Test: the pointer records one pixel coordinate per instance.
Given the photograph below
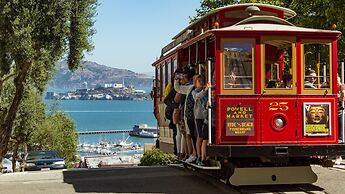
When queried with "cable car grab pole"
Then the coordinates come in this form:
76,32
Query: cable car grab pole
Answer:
342,104
209,101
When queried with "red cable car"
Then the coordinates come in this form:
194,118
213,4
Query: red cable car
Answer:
275,94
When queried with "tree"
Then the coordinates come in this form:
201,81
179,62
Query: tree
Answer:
321,14
30,116
56,132
34,35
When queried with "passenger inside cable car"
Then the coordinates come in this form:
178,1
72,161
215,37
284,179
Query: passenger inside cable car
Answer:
272,84
279,62
310,79
317,64
286,82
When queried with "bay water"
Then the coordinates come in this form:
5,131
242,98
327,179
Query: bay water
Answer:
94,115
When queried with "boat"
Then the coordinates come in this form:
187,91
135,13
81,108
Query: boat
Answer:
147,134
124,144
143,130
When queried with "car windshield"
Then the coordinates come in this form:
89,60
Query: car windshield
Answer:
42,155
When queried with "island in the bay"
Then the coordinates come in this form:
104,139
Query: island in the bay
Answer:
108,92
98,82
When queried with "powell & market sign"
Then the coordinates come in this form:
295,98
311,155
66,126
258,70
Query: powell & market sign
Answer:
240,120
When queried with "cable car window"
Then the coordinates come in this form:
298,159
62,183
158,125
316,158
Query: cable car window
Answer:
238,72
316,66
169,72
175,64
158,81
163,77
278,65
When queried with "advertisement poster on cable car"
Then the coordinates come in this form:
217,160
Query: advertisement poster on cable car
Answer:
240,120
317,119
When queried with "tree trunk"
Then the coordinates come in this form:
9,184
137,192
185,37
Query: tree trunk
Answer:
6,124
15,156
24,157
25,150
1,167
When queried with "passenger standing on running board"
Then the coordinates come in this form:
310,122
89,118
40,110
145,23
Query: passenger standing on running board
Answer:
188,113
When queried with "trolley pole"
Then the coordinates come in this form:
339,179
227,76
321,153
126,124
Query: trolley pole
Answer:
342,104
209,68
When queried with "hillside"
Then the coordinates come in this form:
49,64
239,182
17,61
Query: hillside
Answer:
95,74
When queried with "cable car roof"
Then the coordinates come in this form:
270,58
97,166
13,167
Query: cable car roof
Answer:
288,13
274,27
259,19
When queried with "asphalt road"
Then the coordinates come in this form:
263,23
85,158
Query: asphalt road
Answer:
151,180
127,180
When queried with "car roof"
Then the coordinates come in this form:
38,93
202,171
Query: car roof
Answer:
42,152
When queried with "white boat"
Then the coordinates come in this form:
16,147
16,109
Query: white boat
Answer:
125,144
143,130
85,145
136,147
147,134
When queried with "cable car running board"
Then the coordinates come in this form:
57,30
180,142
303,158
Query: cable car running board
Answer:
273,176
215,166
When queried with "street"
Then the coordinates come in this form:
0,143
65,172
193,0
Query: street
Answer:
152,180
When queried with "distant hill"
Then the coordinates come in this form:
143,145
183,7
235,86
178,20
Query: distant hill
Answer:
96,74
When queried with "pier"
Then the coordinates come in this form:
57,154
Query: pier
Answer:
92,132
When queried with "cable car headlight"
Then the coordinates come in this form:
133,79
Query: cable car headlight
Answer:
279,123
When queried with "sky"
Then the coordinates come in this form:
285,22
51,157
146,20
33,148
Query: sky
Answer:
131,33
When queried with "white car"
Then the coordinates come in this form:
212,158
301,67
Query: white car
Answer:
7,165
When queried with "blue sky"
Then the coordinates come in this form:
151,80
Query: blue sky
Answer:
131,33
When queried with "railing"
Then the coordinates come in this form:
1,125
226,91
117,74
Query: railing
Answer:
91,132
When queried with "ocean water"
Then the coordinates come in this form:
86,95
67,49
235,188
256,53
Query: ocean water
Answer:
108,115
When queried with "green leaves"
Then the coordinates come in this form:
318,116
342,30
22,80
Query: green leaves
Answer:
43,31
34,36
56,132
157,157
321,14
80,31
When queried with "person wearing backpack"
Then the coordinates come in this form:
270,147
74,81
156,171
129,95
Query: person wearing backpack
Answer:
188,112
171,105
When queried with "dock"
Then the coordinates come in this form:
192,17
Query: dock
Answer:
92,132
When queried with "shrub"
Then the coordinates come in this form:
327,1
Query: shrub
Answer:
157,157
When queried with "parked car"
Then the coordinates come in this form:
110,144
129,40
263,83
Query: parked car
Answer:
6,165
41,160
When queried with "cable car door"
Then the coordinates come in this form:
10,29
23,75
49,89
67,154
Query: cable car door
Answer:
278,102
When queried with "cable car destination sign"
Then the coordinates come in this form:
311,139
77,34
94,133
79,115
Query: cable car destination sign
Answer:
240,120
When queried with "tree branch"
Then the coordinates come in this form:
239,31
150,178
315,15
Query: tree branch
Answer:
2,81
8,77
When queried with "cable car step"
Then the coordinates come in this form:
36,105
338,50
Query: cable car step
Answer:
215,165
273,175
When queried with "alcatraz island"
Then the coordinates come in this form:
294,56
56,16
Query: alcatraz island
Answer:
105,92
